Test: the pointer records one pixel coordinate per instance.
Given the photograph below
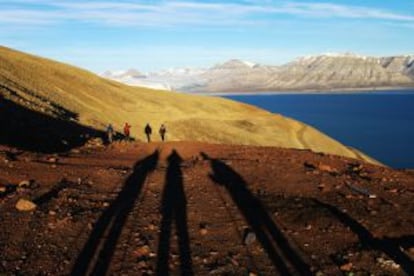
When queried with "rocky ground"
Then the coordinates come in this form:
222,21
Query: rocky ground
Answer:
192,208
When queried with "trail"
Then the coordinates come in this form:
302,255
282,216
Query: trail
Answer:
300,136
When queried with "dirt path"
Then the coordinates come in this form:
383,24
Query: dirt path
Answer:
197,209
300,137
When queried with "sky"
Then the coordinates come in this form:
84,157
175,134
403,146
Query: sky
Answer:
150,35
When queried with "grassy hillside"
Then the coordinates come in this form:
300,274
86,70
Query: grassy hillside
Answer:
72,94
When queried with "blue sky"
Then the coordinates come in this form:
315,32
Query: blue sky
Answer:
153,34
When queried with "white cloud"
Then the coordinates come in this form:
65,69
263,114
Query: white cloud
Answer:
183,13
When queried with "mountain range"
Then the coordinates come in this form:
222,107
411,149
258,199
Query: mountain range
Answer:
327,72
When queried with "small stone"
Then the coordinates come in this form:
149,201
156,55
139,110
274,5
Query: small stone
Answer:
25,205
52,160
346,267
52,213
105,204
151,227
142,265
203,228
3,189
325,168
249,237
142,251
309,165
234,262
51,225
25,184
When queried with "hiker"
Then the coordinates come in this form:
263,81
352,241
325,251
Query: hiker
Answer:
110,133
127,127
162,132
148,131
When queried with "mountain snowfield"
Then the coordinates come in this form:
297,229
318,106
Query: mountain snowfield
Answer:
326,72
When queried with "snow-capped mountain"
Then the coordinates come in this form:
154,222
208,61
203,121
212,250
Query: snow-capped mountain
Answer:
324,72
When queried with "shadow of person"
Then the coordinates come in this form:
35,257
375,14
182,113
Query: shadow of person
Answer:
389,246
96,255
174,208
278,248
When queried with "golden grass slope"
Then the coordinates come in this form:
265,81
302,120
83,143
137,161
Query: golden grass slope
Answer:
45,85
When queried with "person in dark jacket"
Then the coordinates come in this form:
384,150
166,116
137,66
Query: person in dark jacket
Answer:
162,132
148,132
110,133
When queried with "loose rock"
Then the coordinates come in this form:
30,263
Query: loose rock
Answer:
25,205
249,237
346,267
25,184
142,251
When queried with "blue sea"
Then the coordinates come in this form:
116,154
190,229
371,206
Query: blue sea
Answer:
380,124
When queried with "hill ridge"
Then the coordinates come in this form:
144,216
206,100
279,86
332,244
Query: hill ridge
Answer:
94,102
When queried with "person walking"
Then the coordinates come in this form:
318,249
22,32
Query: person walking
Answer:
110,133
127,132
162,132
148,132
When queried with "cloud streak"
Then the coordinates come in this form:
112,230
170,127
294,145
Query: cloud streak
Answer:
183,13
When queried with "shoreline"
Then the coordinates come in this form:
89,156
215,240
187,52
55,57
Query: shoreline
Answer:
368,90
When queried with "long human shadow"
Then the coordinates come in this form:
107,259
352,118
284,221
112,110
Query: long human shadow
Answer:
174,209
390,246
285,259
95,257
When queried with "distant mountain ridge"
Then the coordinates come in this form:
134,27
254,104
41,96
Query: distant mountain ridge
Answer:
318,73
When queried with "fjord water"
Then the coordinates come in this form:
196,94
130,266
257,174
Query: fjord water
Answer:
380,124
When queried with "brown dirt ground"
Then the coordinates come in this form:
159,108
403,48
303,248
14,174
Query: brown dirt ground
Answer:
193,208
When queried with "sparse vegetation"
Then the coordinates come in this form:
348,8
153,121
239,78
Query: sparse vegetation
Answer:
70,93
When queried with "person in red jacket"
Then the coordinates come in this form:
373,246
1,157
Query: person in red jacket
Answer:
127,133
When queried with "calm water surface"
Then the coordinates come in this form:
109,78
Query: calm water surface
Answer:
380,124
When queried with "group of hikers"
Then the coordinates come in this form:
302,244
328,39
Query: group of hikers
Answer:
127,133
